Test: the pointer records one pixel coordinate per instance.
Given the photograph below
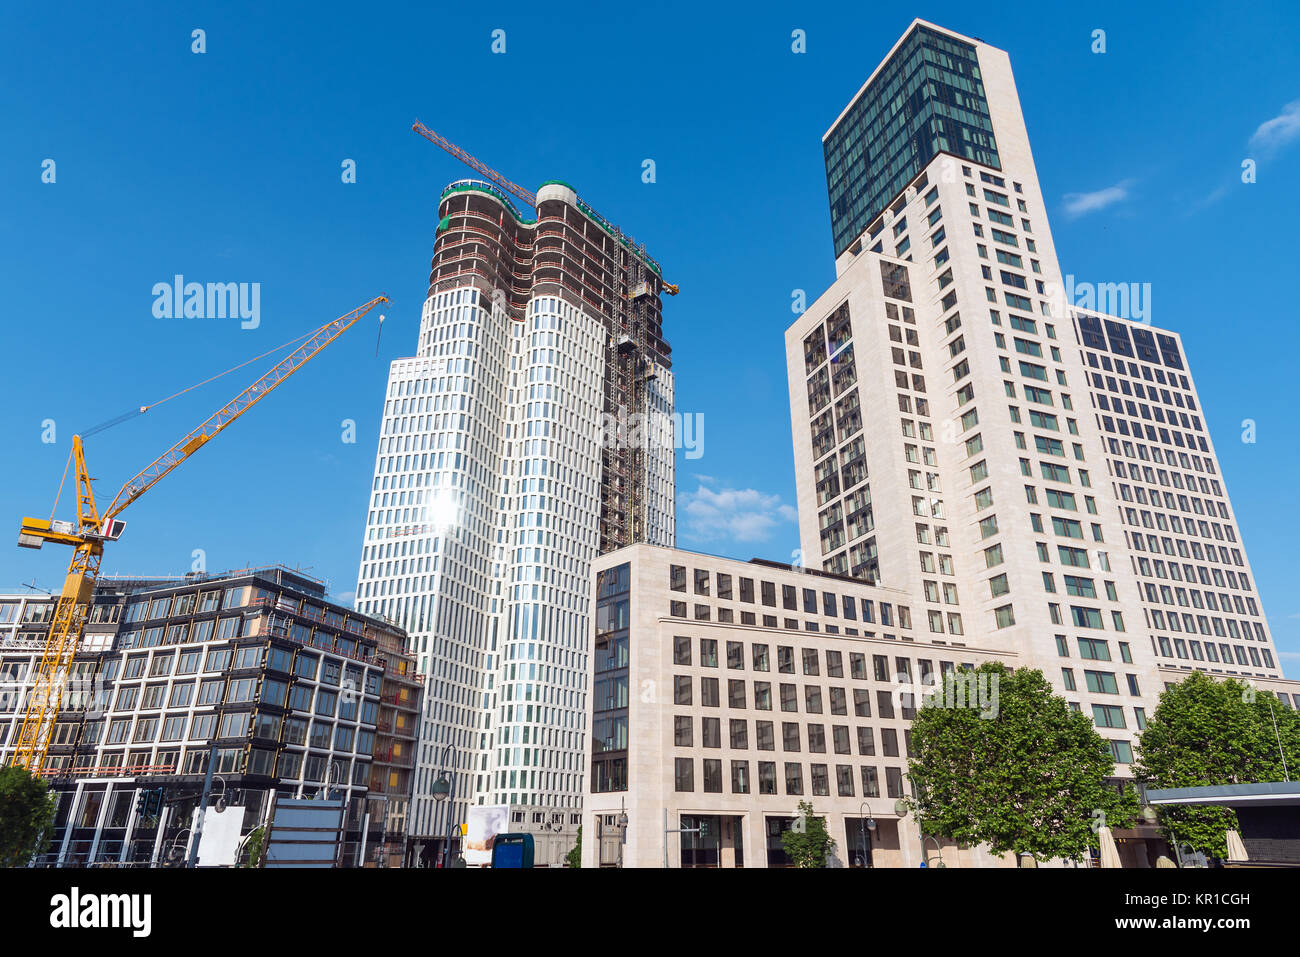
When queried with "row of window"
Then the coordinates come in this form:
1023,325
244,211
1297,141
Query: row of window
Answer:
792,737
711,778
836,699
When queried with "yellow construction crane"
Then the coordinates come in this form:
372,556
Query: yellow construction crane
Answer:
86,537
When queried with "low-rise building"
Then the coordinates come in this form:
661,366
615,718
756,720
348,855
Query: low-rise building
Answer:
725,692
255,670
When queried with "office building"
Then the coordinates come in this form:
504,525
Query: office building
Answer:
254,669
950,438
983,471
724,692
510,457
1198,596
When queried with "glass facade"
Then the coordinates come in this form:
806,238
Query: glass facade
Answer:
610,685
928,99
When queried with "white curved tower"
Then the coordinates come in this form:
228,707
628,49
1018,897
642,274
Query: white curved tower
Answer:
499,478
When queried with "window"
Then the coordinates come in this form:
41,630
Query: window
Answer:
681,650
709,692
181,694
1094,649
870,782
793,778
210,691
739,777
241,689
817,738
1108,716
1101,682
684,775
894,782
735,693
708,653
1086,617
234,725
862,702
681,689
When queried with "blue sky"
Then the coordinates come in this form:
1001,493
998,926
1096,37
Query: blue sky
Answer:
225,167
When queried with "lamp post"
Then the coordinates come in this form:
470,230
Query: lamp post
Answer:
938,847
622,833
868,825
444,790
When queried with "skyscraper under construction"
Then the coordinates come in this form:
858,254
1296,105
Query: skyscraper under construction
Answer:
503,469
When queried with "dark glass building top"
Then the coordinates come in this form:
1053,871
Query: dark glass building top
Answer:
927,99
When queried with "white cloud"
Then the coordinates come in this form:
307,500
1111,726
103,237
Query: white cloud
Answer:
745,515
1080,204
1280,130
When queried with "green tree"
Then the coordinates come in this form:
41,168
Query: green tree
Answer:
255,843
574,857
26,816
808,843
1208,732
1001,760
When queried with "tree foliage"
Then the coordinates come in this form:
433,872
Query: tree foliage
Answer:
1022,773
254,845
26,816
1207,732
574,857
808,843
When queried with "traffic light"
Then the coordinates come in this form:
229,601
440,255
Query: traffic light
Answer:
704,828
149,803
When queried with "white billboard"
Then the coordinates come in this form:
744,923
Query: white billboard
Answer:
485,822
219,841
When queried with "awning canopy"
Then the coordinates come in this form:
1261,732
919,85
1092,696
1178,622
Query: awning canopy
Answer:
1267,794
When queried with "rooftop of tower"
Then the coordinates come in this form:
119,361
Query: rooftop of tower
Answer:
916,24
482,186
926,97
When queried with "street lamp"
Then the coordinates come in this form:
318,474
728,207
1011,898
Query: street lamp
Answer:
868,825
938,847
444,790
622,832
